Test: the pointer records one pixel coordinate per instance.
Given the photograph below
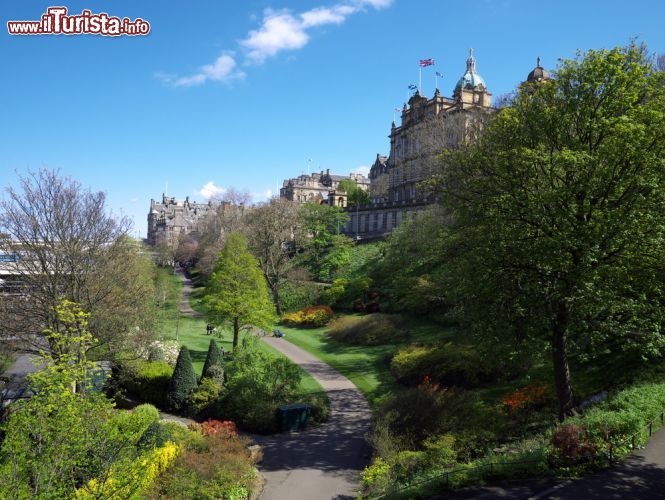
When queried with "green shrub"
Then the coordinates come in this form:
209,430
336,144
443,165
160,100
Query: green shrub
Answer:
296,295
373,329
257,384
206,397
413,415
182,384
375,478
343,292
214,359
320,407
144,380
310,317
448,364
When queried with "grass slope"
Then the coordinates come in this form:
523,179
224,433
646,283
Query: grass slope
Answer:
365,366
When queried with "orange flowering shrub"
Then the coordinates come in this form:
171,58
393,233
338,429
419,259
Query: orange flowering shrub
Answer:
216,428
526,397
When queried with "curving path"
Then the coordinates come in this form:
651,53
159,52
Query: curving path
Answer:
322,462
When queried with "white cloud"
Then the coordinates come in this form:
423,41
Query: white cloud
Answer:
279,30
283,30
223,69
362,169
210,190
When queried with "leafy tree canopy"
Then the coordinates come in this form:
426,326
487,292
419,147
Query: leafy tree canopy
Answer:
237,290
558,214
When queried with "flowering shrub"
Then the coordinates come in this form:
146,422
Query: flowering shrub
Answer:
140,476
216,428
573,441
163,350
312,317
529,396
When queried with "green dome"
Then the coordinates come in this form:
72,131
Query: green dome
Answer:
471,79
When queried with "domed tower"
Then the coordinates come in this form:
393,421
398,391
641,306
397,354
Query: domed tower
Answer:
471,88
538,74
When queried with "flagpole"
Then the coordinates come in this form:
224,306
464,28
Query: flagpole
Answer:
436,80
420,78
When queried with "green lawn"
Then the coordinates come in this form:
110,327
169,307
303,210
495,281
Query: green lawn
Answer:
191,332
365,366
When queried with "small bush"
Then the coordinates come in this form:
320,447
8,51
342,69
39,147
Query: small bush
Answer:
214,360
374,329
205,398
166,350
310,317
346,292
182,384
572,442
216,427
448,364
144,380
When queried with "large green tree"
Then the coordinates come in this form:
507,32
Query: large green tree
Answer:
325,249
237,290
558,214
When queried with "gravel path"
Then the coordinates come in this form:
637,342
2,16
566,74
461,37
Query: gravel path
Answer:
322,462
185,307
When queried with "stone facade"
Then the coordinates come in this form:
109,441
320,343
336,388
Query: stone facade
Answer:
428,126
171,218
320,188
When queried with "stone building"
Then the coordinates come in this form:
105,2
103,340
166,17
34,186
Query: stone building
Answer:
320,188
171,218
428,126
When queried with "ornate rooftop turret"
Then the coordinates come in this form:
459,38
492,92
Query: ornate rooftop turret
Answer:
538,74
471,79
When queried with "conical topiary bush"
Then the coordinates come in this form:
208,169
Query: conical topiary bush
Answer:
183,382
213,359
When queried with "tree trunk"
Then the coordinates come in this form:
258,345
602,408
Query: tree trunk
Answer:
236,333
275,299
562,381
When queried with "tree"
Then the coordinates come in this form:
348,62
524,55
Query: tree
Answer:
227,217
69,246
272,229
321,236
214,359
558,214
237,290
64,436
183,382
355,195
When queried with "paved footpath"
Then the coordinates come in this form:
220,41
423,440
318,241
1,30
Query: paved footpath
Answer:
322,462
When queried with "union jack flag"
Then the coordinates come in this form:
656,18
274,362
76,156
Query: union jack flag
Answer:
413,87
426,62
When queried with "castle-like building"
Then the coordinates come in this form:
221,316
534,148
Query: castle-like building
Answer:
171,218
320,188
427,127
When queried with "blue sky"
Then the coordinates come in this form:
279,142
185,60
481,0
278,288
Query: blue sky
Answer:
243,93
